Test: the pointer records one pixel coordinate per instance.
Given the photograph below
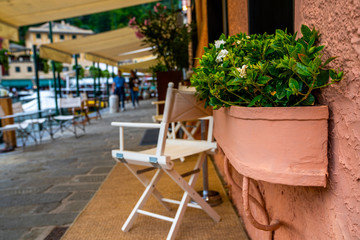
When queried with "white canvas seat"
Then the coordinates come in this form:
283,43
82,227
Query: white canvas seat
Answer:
179,106
75,119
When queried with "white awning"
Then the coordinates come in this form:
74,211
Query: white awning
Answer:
17,13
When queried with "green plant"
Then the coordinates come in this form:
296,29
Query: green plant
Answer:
263,70
163,30
80,69
4,58
95,72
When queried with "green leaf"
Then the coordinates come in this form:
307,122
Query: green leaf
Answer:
293,84
329,60
302,70
304,59
263,79
306,32
332,73
310,100
322,78
255,100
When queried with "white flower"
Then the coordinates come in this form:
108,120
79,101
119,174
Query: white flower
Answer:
248,37
218,43
221,55
242,71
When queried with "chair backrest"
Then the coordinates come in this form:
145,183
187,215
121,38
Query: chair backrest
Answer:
17,107
2,113
183,106
70,102
179,106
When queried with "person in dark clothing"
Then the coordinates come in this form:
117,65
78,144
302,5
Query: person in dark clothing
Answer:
134,85
118,88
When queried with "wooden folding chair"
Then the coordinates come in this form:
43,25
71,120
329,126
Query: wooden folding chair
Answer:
179,106
75,119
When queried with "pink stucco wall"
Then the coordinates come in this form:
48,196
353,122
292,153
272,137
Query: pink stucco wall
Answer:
332,212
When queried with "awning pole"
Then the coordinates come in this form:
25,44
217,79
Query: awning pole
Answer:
59,81
94,81
53,70
99,80
36,67
107,83
77,75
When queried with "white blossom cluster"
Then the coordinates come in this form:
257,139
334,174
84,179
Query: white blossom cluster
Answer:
218,43
242,71
221,55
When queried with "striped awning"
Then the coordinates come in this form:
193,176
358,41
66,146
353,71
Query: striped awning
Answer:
108,47
17,13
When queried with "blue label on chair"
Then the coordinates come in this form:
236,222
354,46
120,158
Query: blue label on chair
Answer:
120,156
153,160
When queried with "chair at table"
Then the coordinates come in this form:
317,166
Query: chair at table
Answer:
179,106
33,119
20,127
72,116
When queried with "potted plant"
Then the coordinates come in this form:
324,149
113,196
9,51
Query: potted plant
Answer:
263,89
163,30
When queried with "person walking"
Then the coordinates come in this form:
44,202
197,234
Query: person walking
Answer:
118,88
134,84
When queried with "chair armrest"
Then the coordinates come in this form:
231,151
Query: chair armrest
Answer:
138,125
158,102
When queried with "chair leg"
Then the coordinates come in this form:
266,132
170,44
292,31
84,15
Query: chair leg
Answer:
144,197
184,201
158,196
190,191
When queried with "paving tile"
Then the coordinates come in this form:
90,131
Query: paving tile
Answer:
82,195
75,187
31,199
38,220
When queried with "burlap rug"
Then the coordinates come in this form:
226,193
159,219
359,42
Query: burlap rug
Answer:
105,214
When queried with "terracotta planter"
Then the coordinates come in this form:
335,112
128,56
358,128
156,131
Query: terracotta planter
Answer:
277,145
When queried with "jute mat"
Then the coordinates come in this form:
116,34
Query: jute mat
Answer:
105,214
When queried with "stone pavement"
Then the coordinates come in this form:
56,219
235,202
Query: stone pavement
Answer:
48,184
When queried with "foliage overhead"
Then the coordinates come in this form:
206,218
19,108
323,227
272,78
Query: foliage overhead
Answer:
163,30
263,70
4,60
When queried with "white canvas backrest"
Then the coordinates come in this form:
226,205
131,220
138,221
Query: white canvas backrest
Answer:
183,106
179,106
17,107
70,102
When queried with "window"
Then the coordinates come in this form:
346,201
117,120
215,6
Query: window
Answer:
62,36
38,36
29,69
17,69
73,36
266,16
65,69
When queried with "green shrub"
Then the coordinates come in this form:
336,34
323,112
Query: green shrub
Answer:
263,70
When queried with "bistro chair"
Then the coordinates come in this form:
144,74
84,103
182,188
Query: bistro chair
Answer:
21,128
72,115
179,106
33,119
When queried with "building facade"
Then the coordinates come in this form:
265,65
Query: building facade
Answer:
21,71
307,212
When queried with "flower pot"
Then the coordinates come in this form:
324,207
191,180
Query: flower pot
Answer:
285,145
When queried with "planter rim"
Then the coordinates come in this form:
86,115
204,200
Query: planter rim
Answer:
302,113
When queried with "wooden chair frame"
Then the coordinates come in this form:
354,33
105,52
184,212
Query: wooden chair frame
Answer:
179,106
